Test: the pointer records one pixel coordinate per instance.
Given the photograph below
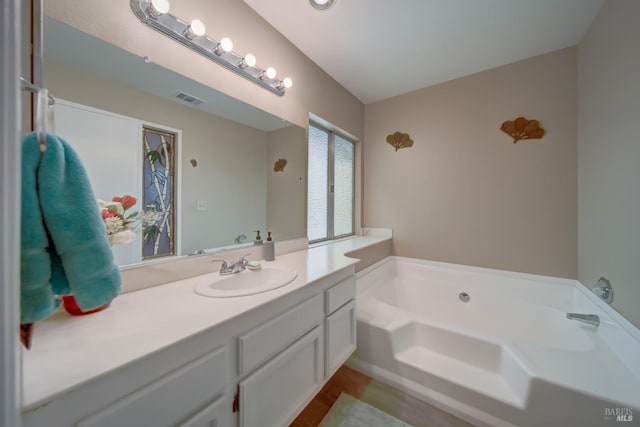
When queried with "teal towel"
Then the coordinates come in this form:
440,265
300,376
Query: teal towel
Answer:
78,260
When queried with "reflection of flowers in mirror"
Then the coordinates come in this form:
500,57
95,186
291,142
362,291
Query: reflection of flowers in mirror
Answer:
119,224
150,215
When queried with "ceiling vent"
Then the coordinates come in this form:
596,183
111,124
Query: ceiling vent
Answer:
194,100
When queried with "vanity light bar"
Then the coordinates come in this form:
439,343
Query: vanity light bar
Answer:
155,14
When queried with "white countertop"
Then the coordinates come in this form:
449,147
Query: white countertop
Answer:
68,351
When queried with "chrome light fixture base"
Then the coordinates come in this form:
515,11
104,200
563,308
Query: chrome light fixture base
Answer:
175,28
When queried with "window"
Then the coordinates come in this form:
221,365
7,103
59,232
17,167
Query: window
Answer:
330,192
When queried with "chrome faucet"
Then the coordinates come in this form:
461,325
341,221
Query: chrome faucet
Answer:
591,319
234,268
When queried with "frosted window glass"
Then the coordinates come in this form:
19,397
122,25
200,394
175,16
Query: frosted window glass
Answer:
343,187
318,175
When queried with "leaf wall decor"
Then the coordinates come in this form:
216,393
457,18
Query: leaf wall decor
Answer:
522,128
400,140
279,165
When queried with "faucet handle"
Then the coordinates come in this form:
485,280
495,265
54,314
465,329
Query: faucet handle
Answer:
243,259
224,266
604,290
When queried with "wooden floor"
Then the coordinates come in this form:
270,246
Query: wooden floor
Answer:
387,399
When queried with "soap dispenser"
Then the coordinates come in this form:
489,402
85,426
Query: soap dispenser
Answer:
258,240
269,249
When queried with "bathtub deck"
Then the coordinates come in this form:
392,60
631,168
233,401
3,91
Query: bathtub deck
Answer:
430,366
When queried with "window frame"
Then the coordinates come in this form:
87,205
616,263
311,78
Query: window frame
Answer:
330,189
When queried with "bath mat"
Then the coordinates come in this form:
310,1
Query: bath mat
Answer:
350,412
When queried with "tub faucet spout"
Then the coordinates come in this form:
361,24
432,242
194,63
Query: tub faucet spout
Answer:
591,319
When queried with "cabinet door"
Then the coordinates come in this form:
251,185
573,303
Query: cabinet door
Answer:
275,394
212,415
170,399
341,336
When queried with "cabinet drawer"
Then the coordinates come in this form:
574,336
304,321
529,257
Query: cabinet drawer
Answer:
171,399
262,343
213,415
339,294
341,337
278,391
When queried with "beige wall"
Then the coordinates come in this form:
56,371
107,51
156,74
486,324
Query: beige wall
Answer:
465,193
287,190
609,154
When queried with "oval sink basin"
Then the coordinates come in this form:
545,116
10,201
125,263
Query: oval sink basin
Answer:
247,282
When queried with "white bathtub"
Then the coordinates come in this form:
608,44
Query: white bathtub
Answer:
508,356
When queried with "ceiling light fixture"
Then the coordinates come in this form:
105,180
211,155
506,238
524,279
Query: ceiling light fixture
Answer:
322,4
155,14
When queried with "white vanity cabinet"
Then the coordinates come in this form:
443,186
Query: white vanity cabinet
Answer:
196,388
259,369
276,393
284,359
340,324
314,339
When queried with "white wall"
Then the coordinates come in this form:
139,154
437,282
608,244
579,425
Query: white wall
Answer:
465,193
113,171
609,154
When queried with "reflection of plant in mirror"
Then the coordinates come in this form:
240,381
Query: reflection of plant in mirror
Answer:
158,175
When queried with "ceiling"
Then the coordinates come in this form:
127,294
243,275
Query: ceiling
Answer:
377,49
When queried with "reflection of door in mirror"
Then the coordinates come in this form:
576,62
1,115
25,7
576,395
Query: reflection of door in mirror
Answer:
157,218
116,170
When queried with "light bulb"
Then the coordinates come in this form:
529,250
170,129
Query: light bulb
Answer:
287,82
225,45
158,8
195,29
270,73
249,60
321,4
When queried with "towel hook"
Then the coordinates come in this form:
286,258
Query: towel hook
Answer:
42,105
44,112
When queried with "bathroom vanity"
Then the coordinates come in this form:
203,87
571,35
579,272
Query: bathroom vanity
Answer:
165,356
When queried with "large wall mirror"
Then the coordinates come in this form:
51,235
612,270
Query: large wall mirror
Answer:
236,168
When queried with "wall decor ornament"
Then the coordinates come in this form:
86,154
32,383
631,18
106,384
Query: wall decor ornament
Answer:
522,128
279,165
400,140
